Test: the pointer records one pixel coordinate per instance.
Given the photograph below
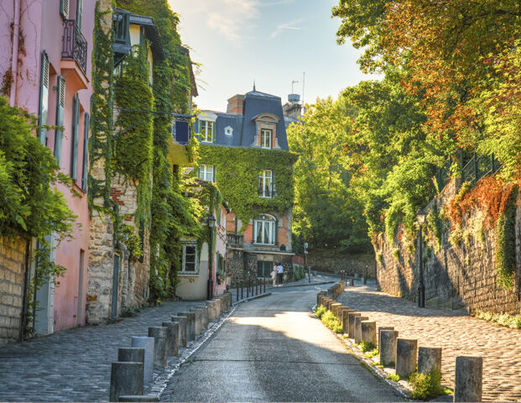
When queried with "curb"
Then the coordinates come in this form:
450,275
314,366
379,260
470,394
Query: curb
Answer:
306,285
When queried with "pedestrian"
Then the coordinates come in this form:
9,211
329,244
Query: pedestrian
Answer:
274,275
280,273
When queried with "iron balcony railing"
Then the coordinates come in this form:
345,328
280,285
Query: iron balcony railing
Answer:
235,239
74,44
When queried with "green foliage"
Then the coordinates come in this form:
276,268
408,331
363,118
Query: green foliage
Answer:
320,311
504,319
505,262
393,377
237,176
372,353
129,236
331,321
366,346
426,386
299,272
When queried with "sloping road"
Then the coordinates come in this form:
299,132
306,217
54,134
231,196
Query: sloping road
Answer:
272,349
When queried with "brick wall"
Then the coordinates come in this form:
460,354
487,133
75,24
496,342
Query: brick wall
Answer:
462,276
12,273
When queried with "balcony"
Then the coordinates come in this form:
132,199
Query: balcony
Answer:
235,240
74,45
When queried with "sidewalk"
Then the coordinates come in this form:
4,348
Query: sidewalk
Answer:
454,331
75,364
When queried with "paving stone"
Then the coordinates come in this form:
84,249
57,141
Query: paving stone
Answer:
455,332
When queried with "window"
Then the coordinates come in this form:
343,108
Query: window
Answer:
264,268
264,230
44,99
65,8
265,139
228,131
206,128
190,259
79,12
266,184
206,173
85,163
60,111
75,134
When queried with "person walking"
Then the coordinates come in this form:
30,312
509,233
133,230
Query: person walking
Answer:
280,273
274,275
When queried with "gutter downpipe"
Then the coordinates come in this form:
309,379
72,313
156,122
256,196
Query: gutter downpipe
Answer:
14,55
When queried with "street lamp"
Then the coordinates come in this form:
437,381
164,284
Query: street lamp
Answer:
306,261
421,216
211,225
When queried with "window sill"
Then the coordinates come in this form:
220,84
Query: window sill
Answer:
187,274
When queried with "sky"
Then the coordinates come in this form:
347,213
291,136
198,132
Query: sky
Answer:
269,42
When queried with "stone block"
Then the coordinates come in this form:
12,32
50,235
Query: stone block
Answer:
469,379
171,338
198,321
344,318
147,343
429,359
335,307
368,331
406,356
182,321
387,347
358,327
190,325
159,333
351,316
126,378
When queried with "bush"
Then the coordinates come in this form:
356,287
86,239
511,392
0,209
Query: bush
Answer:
321,310
393,377
426,386
368,346
330,320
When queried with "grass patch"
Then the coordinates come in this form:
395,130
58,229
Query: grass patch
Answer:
372,353
503,319
331,321
426,386
393,377
367,346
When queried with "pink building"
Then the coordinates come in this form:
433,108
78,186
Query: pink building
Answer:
45,68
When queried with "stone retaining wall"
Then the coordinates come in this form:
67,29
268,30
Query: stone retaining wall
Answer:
462,276
12,273
328,261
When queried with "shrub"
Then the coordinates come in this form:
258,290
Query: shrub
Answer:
368,346
426,386
393,377
330,320
321,310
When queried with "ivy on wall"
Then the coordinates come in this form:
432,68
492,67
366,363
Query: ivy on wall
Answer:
237,176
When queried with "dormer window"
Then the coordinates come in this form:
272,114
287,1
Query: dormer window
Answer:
265,138
206,129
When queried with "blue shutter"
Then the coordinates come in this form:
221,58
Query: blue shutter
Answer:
213,174
182,131
60,111
44,98
79,12
74,140
85,165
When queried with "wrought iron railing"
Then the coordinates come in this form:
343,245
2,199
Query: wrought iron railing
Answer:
235,239
74,44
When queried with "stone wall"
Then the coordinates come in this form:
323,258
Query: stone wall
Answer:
329,261
12,274
454,276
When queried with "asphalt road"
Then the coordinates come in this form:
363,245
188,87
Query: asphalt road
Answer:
272,349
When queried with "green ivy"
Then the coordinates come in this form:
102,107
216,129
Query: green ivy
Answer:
237,175
506,243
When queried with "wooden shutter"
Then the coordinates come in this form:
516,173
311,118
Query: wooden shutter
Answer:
44,98
79,13
213,174
276,231
60,111
65,8
85,165
74,140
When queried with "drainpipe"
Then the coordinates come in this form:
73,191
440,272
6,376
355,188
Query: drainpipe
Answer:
14,54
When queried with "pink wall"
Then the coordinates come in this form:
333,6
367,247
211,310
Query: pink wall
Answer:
220,246
42,28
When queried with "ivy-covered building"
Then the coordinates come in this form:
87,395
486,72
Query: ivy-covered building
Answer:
245,152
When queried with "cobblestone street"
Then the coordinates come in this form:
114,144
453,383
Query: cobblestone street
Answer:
74,365
457,333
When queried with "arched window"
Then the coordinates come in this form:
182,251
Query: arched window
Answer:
264,230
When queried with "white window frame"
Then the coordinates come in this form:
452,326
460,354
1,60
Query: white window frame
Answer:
265,221
196,264
266,141
206,135
266,184
228,131
206,173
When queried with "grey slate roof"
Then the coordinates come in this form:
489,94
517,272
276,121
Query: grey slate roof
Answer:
243,126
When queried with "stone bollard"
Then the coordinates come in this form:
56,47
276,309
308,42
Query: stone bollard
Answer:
387,349
351,316
378,333
172,340
131,354
159,334
190,325
209,306
218,308
369,332
198,321
126,378
469,377
429,358
406,356
182,321
138,398
147,343
204,316
335,307
345,318
320,295
358,327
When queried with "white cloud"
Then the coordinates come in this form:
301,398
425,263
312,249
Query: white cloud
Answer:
287,26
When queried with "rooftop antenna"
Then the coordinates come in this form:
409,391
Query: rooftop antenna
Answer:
303,86
293,86
254,90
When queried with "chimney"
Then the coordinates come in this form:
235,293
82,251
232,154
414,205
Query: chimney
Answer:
236,104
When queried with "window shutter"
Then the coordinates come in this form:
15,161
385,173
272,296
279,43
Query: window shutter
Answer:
276,231
85,165
213,173
60,110
44,98
79,11
272,184
64,8
74,142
